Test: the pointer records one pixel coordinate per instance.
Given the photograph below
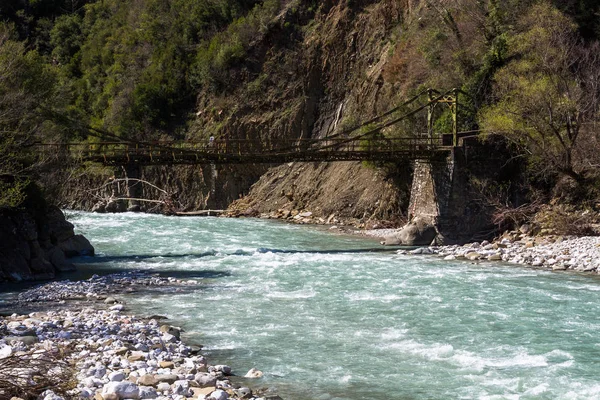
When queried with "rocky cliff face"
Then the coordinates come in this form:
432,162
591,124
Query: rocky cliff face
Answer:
310,75
329,78
36,244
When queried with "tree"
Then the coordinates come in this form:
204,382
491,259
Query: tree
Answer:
546,92
26,85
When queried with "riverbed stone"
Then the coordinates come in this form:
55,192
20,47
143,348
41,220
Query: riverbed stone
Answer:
243,392
136,356
168,378
218,395
170,330
253,374
6,351
419,232
147,380
163,387
26,340
147,392
102,341
123,390
116,376
205,379
166,364
181,387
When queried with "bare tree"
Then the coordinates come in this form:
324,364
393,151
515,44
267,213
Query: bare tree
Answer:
547,92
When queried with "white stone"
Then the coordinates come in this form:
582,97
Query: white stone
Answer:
124,390
181,387
147,392
88,382
6,351
167,337
99,371
537,262
50,395
253,373
218,395
163,387
116,376
421,250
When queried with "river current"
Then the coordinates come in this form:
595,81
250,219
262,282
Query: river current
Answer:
326,316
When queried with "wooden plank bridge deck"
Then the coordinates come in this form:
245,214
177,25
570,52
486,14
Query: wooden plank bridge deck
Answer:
250,152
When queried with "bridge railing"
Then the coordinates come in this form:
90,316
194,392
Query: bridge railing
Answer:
210,149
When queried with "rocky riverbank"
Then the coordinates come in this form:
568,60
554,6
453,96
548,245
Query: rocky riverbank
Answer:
557,253
95,350
36,243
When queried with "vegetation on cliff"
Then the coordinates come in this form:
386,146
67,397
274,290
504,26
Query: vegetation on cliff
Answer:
181,69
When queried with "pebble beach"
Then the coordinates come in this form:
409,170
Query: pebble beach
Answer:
91,348
557,253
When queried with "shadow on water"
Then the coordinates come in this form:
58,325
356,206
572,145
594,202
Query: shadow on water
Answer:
106,264
344,251
95,266
99,259
85,270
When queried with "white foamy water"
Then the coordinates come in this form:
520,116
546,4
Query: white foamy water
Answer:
324,317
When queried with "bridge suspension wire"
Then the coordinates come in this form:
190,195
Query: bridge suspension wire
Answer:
101,133
346,132
389,123
337,147
379,117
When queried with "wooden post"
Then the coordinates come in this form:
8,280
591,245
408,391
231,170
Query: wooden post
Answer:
430,109
455,118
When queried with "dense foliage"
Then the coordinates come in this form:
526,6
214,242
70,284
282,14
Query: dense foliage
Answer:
143,69
531,72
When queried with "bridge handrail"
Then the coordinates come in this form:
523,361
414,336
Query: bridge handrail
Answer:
202,150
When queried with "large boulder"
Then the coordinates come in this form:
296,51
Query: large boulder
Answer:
59,228
77,246
418,232
57,258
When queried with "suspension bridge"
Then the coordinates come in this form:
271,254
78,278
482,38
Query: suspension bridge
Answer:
369,144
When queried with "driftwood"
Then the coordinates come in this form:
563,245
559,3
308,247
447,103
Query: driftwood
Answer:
166,201
27,374
199,213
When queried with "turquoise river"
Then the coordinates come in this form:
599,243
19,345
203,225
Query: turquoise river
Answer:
327,316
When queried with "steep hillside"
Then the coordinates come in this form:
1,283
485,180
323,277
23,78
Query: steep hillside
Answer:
264,70
331,77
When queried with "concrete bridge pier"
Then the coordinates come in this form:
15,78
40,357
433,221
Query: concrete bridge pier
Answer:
442,208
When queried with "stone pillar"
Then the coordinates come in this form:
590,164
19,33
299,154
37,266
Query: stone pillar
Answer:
431,189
